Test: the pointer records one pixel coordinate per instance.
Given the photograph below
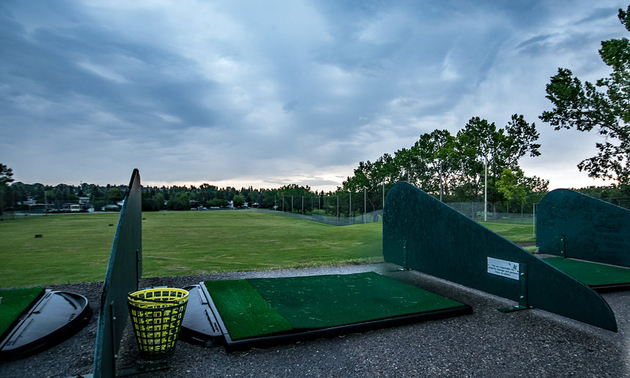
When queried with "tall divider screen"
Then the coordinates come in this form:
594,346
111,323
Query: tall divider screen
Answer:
571,224
424,234
123,272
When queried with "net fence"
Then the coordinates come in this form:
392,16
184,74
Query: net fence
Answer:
472,210
475,211
371,217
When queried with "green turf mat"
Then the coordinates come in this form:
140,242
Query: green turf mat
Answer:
328,301
244,312
591,273
14,303
317,302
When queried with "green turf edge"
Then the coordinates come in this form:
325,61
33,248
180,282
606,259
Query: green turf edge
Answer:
591,273
314,302
243,311
14,303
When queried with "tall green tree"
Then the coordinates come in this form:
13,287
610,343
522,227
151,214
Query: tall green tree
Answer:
602,107
482,144
6,175
238,200
6,178
513,187
183,202
437,153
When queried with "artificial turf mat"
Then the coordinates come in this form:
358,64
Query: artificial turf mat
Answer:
14,303
591,273
244,312
316,302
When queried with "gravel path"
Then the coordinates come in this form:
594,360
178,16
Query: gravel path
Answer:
531,343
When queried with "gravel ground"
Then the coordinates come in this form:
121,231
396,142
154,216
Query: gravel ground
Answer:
531,343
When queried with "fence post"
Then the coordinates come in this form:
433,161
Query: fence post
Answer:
349,203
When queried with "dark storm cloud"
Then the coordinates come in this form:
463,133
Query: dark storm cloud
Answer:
266,93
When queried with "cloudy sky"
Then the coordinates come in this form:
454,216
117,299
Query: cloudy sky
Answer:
267,93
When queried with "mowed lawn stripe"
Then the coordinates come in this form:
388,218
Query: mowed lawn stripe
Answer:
76,247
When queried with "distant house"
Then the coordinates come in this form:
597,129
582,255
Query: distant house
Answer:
71,207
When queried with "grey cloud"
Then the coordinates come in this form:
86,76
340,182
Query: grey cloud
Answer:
278,90
598,14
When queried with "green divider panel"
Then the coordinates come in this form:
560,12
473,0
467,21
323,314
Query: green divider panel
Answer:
422,233
123,272
570,224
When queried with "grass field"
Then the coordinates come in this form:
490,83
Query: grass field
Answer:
76,247
517,233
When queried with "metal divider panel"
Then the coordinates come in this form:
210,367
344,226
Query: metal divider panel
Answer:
424,234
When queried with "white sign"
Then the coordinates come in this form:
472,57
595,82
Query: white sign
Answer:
503,268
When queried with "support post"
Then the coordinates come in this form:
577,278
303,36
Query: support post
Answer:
485,195
405,256
522,299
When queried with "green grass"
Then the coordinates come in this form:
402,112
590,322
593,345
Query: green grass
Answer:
76,247
73,248
14,303
516,233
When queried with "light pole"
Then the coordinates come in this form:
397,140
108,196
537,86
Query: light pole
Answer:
383,194
364,204
485,189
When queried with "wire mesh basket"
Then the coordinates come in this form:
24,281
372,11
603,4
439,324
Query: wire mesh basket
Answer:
157,315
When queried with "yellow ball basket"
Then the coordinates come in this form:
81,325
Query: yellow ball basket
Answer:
157,315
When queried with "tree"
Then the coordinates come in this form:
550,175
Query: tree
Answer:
602,107
512,186
115,194
183,202
480,143
6,178
238,200
6,175
436,150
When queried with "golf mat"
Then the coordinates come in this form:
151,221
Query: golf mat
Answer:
36,319
600,277
268,311
15,302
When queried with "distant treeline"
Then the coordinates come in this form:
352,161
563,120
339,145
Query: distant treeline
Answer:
300,199
290,198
